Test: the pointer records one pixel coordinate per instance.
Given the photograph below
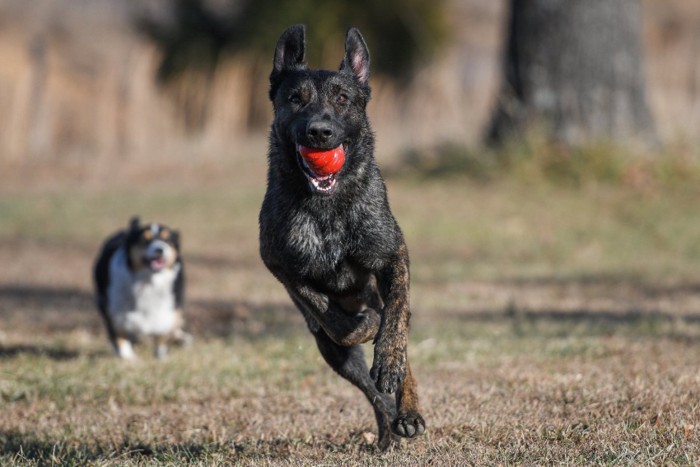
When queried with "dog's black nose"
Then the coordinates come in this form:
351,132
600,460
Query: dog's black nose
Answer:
319,132
158,252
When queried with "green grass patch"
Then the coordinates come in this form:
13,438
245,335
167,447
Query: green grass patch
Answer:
534,160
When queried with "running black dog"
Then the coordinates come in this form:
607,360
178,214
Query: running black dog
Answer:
327,233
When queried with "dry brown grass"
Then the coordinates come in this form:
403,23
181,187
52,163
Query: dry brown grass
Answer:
551,325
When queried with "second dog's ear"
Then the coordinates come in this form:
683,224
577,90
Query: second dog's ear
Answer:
175,238
134,224
356,60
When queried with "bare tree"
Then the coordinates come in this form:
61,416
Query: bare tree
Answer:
576,68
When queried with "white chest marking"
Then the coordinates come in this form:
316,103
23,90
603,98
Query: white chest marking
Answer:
142,302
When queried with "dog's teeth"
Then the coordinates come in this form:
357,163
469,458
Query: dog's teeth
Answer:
324,184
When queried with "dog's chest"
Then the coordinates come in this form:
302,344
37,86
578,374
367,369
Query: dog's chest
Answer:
141,302
329,253
317,244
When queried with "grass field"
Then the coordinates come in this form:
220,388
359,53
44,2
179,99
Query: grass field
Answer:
551,324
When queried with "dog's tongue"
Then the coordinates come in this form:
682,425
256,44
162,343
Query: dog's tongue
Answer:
157,264
323,162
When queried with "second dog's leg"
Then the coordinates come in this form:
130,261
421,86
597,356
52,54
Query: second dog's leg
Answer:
179,336
124,348
349,362
161,347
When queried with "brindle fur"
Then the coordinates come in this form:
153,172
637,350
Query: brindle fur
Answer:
342,257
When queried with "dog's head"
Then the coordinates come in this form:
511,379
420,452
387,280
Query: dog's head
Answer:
320,119
152,247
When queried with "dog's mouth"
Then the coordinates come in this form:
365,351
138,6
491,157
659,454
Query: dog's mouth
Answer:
321,167
159,255
157,264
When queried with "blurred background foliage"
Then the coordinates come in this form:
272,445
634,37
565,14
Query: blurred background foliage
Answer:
400,33
154,80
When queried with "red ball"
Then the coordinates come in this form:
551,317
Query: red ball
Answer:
323,161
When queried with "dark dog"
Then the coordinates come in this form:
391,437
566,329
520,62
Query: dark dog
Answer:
327,233
139,283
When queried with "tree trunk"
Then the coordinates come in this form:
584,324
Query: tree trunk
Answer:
574,68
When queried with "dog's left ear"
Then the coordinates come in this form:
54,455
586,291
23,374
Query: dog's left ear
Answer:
356,60
134,224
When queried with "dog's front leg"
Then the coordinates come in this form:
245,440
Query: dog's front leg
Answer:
343,329
389,367
390,370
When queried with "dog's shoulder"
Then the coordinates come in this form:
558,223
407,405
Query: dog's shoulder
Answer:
120,276
101,269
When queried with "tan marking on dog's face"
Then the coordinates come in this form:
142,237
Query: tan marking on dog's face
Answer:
139,251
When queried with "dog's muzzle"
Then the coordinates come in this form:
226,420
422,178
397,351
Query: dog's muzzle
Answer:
159,255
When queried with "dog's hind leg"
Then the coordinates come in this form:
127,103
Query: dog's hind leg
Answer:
179,336
342,328
349,362
161,347
111,333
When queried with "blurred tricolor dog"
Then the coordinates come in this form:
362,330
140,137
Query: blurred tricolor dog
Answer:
139,283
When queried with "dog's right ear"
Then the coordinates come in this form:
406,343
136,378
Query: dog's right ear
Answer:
289,54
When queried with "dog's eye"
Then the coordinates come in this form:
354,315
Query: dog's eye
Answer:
342,98
295,98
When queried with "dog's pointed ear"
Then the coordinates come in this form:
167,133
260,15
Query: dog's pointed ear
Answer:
134,224
175,238
356,60
291,50
289,54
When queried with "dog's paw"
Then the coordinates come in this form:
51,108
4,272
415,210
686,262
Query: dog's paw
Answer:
409,425
388,369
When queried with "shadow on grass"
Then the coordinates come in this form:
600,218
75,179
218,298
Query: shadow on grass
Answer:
612,317
580,322
31,308
48,309
17,447
57,354
630,282
28,447
29,296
